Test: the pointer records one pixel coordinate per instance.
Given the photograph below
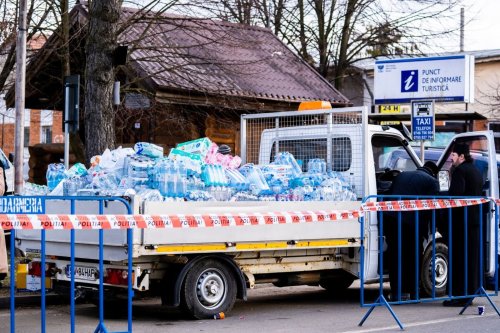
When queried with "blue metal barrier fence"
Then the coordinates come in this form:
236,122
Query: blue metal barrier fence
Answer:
439,230
102,203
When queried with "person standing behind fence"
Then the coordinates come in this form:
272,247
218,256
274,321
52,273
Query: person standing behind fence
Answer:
421,182
466,180
4,267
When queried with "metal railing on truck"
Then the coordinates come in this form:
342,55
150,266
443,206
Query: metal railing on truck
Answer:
333,135
29,213
392,211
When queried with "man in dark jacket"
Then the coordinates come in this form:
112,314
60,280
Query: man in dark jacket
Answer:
466,180
421,182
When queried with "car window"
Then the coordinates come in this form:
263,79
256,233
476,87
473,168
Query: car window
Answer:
389,153
479,152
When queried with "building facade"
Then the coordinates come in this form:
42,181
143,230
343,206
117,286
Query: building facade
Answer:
40,126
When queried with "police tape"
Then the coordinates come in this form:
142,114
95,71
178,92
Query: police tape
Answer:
91,222
421,204
67,222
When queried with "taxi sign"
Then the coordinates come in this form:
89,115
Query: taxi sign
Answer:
422,120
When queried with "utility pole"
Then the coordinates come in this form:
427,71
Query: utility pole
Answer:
462,27
20,94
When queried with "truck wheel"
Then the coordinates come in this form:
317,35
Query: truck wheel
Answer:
337,285
209,288
441,270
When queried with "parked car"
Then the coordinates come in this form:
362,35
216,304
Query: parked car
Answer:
399,160
9,172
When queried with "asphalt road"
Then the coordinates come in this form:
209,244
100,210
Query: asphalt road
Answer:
270,309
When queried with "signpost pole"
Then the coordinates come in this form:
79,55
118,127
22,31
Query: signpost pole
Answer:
422,155
20,96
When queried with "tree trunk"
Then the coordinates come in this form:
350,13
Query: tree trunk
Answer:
343,63
101,43
66,70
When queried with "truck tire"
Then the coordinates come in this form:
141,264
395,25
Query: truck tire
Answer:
209,288
441,270
338,284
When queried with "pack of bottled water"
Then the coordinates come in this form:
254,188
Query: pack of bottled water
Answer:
197,171
55,174
170,178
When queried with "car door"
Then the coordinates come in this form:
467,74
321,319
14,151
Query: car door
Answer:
482,148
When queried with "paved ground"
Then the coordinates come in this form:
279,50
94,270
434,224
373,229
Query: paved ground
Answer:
270,309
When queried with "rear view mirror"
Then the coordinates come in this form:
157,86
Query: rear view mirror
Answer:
444,180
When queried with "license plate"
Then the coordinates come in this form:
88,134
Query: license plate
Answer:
83,272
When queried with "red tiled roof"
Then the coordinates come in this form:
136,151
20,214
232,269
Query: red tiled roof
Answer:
221,58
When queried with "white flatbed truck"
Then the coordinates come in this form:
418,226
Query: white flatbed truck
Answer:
204,269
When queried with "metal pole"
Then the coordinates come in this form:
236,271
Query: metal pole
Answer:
462,25
20,95
3,129
66,126
422,151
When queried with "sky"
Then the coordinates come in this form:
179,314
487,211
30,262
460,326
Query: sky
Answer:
482,30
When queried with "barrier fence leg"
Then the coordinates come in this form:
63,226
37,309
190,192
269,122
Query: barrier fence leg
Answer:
12,281
72,273
381,299
481,292
130,292
101,328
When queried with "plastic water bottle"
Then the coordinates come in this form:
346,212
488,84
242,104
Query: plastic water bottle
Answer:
322,166
171,179
55,173
352,183
161,176
51,177
181,181
71,186
221,175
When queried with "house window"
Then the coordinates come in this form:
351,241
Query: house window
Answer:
26,136
46,134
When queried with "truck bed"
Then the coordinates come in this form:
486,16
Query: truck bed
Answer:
167,240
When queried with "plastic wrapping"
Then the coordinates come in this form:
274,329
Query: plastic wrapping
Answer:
187,175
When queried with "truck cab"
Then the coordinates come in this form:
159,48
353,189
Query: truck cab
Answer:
351,147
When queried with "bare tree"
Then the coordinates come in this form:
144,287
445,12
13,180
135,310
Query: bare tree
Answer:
43,18
488,99
332,35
